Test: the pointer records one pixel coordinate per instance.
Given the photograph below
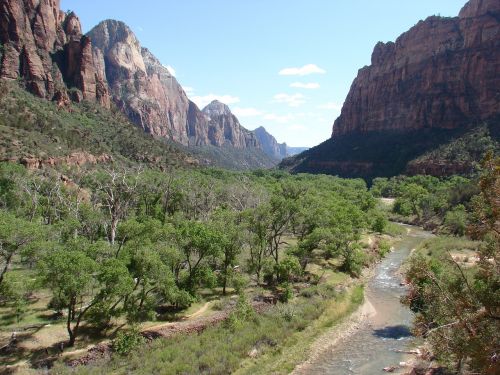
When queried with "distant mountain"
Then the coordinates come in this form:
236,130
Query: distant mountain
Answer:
225,129
435,83
269,144
292,151
271,147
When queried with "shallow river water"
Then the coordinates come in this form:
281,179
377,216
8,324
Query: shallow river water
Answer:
376,343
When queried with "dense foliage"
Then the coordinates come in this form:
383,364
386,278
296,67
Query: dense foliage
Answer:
457,299
111,243
440,204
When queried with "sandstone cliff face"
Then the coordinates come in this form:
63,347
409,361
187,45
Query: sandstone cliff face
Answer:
438,80
269,144
443,73
45,47
144,89
225,129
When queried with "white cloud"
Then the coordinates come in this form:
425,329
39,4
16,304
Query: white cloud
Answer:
246,112
202,101
302,71
337,107
308,86
170,69
294,100
282,119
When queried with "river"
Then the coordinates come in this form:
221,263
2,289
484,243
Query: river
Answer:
375,344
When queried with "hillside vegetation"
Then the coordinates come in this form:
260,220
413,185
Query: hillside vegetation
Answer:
35,128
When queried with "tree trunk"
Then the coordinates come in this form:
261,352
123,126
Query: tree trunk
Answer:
6,267
112,235
68,326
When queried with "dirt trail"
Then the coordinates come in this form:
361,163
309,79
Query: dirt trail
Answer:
188,324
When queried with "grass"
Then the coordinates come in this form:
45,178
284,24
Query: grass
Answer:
441,247
296,348
277,341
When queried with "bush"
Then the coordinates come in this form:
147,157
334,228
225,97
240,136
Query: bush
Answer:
455,221
287,294
127,341
287,269
379,223
383,248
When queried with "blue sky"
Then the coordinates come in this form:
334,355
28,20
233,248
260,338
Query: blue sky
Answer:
286,65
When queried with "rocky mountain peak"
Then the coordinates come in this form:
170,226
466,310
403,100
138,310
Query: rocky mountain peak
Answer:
476,8
434,82
216,108
270,145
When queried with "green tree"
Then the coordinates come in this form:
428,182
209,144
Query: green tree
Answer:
70,277
458,309
16,235
455,221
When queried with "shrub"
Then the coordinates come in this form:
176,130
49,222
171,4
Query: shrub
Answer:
379,223
383,248
287,294
127,341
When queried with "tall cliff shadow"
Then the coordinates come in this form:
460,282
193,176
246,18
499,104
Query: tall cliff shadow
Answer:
393,332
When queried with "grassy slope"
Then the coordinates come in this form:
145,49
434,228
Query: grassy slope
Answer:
33,127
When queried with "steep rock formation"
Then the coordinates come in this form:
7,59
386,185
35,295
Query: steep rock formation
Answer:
44,46
430,86
443,73
269,144
225,129
143,88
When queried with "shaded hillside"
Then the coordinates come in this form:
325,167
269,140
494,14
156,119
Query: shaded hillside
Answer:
389,153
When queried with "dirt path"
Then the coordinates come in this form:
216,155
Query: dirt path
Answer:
189,323
192,316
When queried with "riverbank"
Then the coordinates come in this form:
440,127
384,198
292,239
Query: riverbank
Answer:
377,335
333,336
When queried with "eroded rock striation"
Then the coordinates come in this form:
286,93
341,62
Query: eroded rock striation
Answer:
45,47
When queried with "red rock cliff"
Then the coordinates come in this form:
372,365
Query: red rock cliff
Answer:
45,47
443,73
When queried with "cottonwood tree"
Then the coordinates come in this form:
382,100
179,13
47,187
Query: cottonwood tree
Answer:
199,242
116,192
70,276
16,235
228,224
257,224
